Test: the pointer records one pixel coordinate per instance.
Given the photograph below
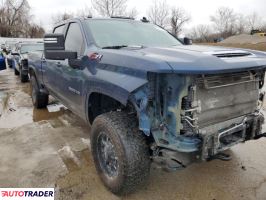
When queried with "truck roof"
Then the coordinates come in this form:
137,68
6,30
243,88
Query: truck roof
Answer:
118,18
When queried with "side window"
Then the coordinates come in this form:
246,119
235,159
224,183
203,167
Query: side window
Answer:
59,29
74,39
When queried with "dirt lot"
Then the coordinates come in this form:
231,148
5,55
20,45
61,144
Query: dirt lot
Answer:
42,149
242,41
260,46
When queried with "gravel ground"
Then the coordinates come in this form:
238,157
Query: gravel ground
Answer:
42,149
244,39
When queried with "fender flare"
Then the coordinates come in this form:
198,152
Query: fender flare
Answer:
32,69
117,93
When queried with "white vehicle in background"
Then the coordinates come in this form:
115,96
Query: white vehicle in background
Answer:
10,45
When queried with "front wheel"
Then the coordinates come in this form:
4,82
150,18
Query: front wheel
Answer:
120,152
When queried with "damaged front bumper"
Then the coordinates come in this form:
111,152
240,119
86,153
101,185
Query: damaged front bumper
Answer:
199,116
238,130
211,143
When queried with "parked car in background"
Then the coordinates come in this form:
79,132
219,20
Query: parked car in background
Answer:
2,61
20,58
10,46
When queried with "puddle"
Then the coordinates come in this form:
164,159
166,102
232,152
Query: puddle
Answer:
43,114
16,106
56,107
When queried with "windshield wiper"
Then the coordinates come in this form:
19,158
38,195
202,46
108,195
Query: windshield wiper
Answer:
115,47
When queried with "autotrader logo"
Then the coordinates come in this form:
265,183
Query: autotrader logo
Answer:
26,193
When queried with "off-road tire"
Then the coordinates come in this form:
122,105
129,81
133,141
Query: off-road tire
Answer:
16,72
39,99
23,78
132,152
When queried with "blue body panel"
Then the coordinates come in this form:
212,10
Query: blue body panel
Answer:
122,74
191,59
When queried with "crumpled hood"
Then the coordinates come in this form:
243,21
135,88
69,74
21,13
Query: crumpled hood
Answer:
191,59
207,59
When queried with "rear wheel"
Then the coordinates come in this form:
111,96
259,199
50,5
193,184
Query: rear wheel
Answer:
120,152
39,99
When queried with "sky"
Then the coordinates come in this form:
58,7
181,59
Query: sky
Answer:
199,10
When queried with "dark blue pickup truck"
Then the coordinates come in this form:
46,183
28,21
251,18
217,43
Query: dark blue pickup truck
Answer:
148,96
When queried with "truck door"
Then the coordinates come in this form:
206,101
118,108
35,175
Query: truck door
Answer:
70,79
50,69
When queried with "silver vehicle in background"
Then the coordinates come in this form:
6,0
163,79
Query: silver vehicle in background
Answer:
20,58
10,45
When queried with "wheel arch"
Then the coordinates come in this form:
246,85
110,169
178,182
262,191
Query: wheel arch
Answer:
32,71
120,98
101,101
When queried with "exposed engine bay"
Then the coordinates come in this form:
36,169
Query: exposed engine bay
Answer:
200,115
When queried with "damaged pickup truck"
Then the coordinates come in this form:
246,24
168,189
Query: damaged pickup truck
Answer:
148,96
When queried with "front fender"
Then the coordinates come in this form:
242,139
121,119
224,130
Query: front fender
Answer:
105,88
113,83
116,85
33,71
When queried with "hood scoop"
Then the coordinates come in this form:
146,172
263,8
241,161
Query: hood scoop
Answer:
229,54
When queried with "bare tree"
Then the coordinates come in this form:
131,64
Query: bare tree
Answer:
61,17
241,24
108,8
204,32
224,21
84,12
178,18
158,13
15,18
132,13
35,31
253,21
201,33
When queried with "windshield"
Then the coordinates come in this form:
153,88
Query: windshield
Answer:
129,33
31,47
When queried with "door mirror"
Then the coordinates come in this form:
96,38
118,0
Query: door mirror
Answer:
54,48
187,41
